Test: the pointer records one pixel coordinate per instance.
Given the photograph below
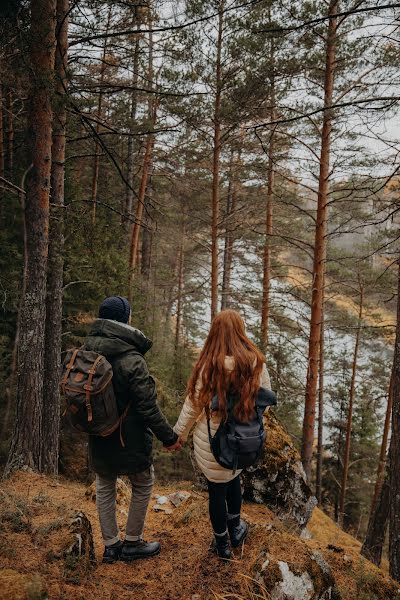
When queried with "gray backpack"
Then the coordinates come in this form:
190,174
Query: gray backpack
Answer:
86,385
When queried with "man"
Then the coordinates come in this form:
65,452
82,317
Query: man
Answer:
129,451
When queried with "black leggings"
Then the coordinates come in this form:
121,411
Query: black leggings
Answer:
225,501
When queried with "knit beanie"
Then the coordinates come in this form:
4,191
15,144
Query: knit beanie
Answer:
115,308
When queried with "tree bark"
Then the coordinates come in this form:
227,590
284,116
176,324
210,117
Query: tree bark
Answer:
139,210
229,238
349,425
216,165
1,133
377,525
181,267
10,134
382,455
319,249
394,469
54,300
320,447
147,160
131,141
147,238
96,164
27,435
265,307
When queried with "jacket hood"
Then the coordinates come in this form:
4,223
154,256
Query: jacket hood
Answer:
112,338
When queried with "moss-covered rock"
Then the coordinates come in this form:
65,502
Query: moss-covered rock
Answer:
278,480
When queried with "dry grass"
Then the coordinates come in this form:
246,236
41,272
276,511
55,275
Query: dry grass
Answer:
38,508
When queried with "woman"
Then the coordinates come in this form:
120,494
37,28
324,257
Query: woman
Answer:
228,360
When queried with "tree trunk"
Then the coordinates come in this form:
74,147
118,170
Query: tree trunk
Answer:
319,249
147,160
349,425
216,166
394,469
147,238
265,307
1,133
377,526
181,266
131,140
139,210
229,239
54,300
382,456
27,435
10,134
96,164
320,448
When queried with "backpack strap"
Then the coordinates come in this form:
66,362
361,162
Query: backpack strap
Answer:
88,387
69,368
210,437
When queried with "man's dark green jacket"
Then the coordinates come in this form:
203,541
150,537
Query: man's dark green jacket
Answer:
125,347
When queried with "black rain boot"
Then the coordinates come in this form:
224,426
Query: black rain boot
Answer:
112,553
140,549
221,547
238,530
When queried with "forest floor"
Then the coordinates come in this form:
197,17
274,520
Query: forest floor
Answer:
33,515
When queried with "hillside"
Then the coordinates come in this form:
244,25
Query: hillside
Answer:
34,534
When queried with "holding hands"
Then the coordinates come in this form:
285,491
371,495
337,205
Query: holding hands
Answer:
175,447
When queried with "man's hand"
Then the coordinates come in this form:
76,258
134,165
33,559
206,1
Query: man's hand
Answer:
175,447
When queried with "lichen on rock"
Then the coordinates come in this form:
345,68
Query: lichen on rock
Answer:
278,480
288,570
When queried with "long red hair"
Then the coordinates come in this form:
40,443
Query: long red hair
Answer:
227,337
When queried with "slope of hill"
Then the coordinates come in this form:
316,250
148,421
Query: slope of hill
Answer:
274,563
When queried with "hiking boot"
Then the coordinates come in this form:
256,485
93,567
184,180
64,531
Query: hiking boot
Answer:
112,553
221,547
140,549
238,530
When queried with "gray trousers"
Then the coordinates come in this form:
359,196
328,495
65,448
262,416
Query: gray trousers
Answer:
142,486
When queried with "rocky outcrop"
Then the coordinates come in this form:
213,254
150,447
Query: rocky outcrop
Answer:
278,480
302,574
80,543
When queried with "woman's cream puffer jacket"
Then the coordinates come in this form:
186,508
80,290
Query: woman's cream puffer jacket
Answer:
188,417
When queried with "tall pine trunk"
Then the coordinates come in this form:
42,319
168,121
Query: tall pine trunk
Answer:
320,445
27,435
349,425
380,474
394,468
229,236
131,140
319,249
96,163
216,165
377,525
266,284
147,161
10,134
1,133
54,300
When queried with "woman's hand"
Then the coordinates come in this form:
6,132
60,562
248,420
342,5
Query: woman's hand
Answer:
175,447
